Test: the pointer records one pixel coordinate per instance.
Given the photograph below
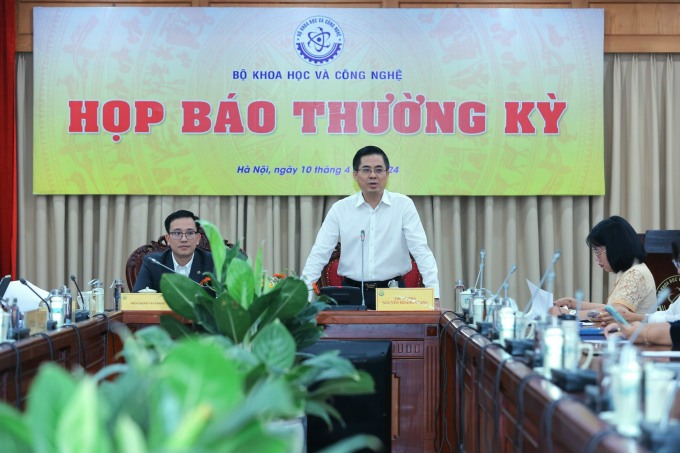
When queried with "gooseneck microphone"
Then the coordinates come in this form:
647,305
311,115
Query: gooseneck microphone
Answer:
660,298
82,299
51,324
155,261
548,271
480,274
513,268
363,238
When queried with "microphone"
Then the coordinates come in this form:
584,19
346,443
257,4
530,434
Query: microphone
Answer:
513,268
82,299
548,271
660,298
84,312
363,238
480,274
155,261
51,324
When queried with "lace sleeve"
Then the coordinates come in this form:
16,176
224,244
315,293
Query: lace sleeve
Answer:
630,291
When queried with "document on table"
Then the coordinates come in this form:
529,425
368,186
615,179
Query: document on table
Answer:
542,301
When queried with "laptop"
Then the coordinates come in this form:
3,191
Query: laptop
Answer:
4,284
347,297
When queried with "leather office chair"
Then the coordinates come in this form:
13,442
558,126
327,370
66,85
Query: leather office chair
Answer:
134,262
330,277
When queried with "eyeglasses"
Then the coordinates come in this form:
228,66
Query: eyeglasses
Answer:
368,170
177,235
599,252
676,263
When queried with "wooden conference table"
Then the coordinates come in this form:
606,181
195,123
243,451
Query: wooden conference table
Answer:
450,386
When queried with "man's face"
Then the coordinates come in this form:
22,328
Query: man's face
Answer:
183,247
372,175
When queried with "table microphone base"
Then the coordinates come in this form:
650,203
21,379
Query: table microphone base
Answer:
518,347
81,315
18,334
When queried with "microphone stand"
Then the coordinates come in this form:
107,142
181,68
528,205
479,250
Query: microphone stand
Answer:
504,285
84,313
155,261
480,274
548,271
363,299
51,323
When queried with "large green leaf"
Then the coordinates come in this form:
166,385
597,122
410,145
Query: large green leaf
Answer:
196,372
305,335
156,339
275,347
268,399
241,282
180,294
354,443
217,248
329,365
206,318
191,427
231,318
258,275
200,372
291,301
50,394
248,438
362,385
14,433
263,302
175,327
81,427
128,436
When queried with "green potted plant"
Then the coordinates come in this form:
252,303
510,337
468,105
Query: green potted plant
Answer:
273,323
185,396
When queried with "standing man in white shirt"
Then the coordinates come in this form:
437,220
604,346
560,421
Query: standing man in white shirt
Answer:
382,226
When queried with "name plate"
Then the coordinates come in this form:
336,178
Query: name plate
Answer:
404,299
36,320
143,302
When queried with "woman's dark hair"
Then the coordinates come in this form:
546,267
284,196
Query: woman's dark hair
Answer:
620,240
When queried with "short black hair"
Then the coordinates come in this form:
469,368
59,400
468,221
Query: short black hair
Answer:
368,151
675,246
181,214
621,242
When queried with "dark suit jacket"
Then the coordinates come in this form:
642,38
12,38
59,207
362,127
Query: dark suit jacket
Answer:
150,274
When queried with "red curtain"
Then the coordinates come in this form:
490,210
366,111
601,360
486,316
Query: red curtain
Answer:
8,154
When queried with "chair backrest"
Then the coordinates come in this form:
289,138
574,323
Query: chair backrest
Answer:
330,277
134,262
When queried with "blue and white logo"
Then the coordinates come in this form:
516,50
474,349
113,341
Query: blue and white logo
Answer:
319,40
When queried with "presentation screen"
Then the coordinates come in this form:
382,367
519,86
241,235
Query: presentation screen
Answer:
276,101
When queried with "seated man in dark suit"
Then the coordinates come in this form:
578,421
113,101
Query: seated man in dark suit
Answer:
182,233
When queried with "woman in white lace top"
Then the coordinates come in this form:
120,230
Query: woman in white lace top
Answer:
617,249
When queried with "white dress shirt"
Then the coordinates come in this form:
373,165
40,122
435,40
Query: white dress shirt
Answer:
672,313
392,230
183,270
